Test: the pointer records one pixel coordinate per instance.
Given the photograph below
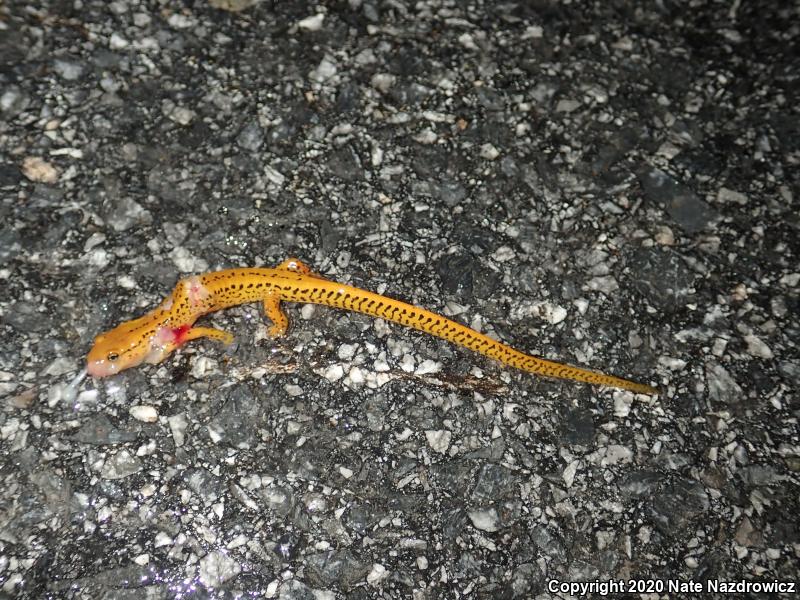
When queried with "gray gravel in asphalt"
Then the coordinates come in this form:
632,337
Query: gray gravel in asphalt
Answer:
612,185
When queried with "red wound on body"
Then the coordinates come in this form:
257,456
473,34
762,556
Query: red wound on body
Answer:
180,334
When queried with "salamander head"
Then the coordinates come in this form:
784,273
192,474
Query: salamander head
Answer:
146,339
123,347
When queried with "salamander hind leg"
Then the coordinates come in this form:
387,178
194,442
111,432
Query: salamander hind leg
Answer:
280,321
297,266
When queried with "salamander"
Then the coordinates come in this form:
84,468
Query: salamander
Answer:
154,336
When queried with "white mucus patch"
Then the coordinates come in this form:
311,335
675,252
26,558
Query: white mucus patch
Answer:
196,291
159,345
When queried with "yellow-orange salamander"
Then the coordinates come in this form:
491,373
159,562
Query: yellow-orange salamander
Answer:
154,336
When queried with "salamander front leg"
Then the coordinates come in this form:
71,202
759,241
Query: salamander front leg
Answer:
280,321
201,332
167,339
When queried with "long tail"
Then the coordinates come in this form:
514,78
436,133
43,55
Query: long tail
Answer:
363,301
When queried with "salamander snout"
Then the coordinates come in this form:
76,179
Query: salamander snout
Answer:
103,359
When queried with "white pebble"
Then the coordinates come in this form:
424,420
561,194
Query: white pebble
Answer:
427,366
180,21
489,152
438,439
426,136
407,363
145,413
183,116
665,237
334,373
383,82
485,519
725,195
346,351
178,424
622,404
312,23
552,313
117,42
324,71
615,454
87,397
216,568
293,390
790,279
569,473
377,574
503,254
671,363
356,375
756,347
380,365
36,169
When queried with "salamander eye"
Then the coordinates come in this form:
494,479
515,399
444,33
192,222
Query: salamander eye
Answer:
112,356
